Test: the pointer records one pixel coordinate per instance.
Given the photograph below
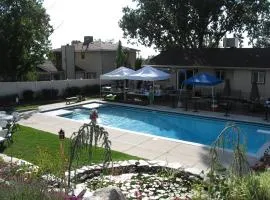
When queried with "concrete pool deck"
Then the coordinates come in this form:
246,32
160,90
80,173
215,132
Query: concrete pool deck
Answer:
141,145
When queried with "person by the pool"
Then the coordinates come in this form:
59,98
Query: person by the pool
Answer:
94,115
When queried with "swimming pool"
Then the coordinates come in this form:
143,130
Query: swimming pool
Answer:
196,129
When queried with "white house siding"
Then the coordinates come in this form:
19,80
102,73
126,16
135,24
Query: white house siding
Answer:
132,58
100,62
91,62
264,89
241,80
68,61
108,61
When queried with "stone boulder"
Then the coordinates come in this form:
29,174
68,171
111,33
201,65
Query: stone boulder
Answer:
108,193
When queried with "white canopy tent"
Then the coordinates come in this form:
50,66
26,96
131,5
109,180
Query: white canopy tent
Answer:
148,73
120,73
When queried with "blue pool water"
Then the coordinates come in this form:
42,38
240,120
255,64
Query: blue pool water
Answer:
189,128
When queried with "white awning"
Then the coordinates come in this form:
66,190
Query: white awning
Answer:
120,73
148,73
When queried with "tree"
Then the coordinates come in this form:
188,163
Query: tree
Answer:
138,63
87,139
193,23
24,33
120,55
261,36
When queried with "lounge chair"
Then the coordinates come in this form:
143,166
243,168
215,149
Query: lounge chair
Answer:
110,97
76,99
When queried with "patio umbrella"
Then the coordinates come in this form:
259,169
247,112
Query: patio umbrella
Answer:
204,79
254,93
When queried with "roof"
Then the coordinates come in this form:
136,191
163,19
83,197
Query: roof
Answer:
215,57
48,66
97,46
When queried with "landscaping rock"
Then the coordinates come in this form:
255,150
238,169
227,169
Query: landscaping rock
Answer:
108,193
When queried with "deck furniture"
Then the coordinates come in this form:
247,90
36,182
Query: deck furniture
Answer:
226,105
69,100
110,97
195,103
76,99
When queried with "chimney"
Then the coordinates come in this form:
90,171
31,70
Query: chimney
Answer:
230,42
87,40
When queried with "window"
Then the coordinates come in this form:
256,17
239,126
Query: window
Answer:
91,75
220,74
258,77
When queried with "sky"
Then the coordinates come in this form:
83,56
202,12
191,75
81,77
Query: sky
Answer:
72,20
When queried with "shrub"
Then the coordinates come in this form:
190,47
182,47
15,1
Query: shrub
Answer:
72,91
8,100
30,191
48,94
90,90
28,95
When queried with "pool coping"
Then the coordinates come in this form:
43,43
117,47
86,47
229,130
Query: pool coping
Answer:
164,138
145,146
254,155
207,115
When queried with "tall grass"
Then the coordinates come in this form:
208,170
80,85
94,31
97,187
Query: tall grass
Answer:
255,186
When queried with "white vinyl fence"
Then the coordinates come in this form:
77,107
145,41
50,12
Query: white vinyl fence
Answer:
10,88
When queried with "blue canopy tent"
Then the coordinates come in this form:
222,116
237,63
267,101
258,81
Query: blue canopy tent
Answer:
204,79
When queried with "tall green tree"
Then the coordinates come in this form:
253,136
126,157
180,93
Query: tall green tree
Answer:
120,55
24,33
193,23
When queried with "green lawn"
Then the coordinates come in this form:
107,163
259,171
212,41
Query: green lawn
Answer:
32,145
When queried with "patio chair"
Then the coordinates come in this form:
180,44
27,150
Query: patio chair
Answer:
226,106
110,97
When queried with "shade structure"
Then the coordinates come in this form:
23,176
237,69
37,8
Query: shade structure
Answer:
120,73
148,73
203,79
